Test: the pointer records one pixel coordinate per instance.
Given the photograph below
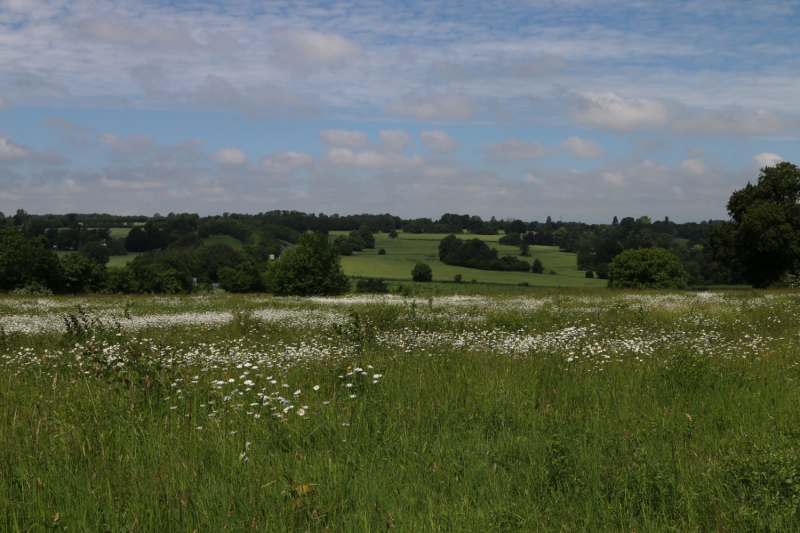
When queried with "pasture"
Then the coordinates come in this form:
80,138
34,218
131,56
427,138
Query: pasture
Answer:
569,410
407,249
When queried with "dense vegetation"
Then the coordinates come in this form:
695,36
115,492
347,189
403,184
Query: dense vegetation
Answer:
571,411
758,246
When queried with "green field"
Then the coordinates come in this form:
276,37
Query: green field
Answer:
233,242
406,250
570,410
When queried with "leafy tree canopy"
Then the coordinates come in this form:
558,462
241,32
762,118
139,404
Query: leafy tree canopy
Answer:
647,268
310,268
761,243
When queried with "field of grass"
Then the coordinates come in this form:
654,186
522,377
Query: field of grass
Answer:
573,410
233,242
405,251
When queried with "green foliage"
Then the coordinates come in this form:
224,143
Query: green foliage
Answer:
590,274
537,267
422,272
524,249
371,285
475,253
647,268
23,262
393,234
310,268
511,239
457,278
96,252
762,241
81,274
246,277
382,251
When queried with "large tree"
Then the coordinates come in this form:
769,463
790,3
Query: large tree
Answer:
761,243
310,268
24,262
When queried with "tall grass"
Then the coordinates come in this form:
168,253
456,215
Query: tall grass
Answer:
450,438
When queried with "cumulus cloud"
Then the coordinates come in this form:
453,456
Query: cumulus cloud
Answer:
612,112
154,36
514,148
344,158
219,92
438,141
344,139
303,50
433,108
394,140
285,162
582,147
136,143
229,156
10,151
767,159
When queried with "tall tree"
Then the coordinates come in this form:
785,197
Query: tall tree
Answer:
762,240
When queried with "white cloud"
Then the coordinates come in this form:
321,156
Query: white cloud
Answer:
136,143
438,141
582,147
514,148
435,108
344,139
229,156
610,111
694,167
286,162
11,152
157,36
395,140
767,159
301,50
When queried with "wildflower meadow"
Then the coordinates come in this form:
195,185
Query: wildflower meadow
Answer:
566,410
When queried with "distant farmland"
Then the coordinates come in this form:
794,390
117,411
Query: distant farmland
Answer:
407,249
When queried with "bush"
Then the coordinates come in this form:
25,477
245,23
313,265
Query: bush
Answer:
602,271
590,274
96,252
457,278
422,272
310,268
647,268
381,252
371,285
537,267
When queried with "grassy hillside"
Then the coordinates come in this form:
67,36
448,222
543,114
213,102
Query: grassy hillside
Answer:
233,242
407,249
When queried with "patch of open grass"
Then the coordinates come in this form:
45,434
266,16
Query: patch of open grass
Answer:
405,251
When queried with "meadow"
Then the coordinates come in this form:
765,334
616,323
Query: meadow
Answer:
408,249
562,410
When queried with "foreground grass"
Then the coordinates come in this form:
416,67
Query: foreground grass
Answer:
689,424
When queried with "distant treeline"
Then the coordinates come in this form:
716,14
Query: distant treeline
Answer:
176,237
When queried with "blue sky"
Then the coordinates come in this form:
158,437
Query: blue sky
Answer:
580,110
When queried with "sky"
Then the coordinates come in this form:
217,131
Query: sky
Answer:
575,109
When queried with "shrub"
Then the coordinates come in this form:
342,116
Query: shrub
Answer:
602,271
381,252
537,267
422,272
552,272
647,268
457,278
590,274
310,268
371,285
